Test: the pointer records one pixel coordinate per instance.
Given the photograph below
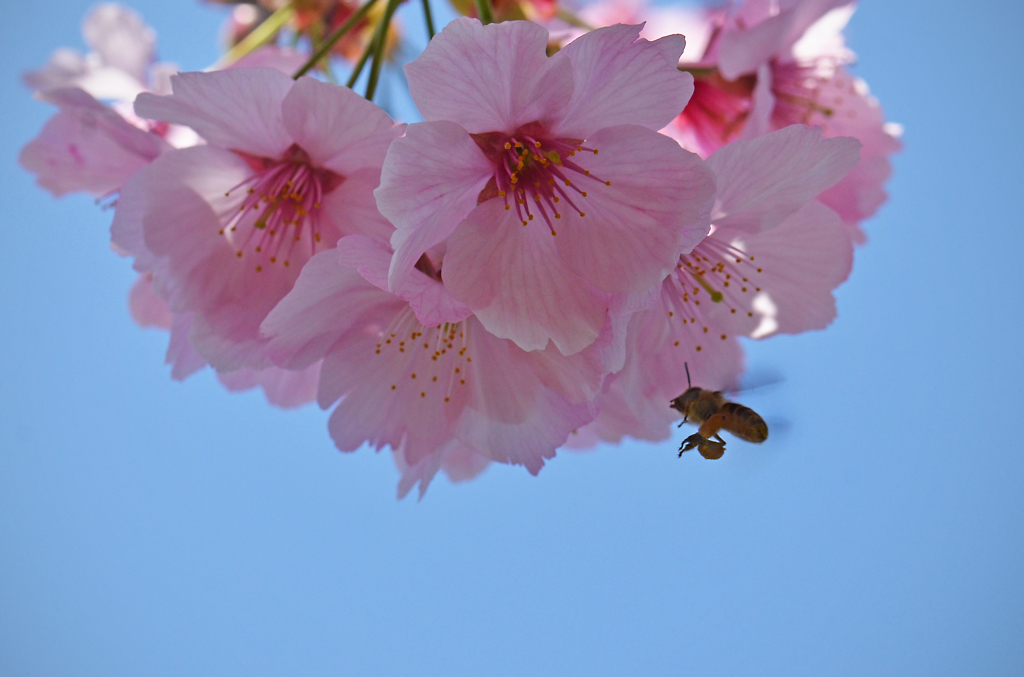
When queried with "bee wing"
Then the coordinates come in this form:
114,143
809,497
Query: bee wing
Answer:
755,379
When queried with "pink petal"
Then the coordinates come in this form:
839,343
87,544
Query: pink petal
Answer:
513,279
742,51
632,232
237,109
126,236
182,357
200,271
763,180
431,180
148,309
802,260
283,388
462,463
390,398
121,39
489,78
808,13
430,300
762,105
512,418
351,207
636,403
87,147
271,56
326,301
421,473
856,113
621,79
339,129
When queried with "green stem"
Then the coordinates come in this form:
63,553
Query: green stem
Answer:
484,11
260,35
573,20
328,44
358,68
380,40
429,18
698,72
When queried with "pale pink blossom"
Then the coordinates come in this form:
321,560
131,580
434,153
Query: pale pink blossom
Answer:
434,385
87,146
282,387
772,63
543,178
224,228
769,266
119,65
459,462
94,147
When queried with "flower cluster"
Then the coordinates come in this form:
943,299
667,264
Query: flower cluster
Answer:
584,220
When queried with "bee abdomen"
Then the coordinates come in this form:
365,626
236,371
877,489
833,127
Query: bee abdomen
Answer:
744,422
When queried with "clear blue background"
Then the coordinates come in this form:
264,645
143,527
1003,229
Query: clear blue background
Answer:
162,528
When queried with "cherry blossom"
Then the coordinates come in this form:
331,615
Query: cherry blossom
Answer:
544,178
769,266
225,228
435,386
772,64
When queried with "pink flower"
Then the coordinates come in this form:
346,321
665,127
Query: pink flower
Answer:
773,64
119,63
282,388
769,266
518,147
87,146
289,167
422,374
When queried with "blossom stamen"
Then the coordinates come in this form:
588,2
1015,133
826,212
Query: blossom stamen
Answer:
531,165
283,197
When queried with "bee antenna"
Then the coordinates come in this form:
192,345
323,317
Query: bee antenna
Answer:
687,367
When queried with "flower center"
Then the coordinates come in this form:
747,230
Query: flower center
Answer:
724,272
432,362
534,172
798,93
280,203
718,108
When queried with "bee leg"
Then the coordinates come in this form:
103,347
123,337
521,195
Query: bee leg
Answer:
712,450
690,442
681,422
719,438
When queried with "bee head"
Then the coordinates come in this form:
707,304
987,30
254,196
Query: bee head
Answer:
683,403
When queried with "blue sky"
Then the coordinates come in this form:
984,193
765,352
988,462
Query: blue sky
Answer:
155,527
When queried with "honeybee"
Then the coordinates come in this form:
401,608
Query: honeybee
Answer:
712,412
